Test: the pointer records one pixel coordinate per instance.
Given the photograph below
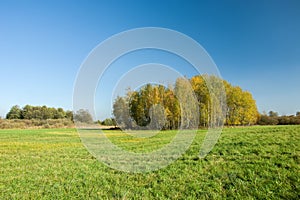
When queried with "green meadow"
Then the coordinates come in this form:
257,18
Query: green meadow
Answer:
258,162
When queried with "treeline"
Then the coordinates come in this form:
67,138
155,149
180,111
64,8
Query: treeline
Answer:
44,117
274,119
44,113
38,112
156,106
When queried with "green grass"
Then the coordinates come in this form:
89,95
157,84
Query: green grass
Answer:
246,163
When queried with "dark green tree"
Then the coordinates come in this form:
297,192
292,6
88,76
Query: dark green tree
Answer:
69,115
273,114
27,112
14,113
60,114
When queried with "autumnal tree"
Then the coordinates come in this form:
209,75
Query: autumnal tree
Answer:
211,97
172,109
202,93
241,107
188,104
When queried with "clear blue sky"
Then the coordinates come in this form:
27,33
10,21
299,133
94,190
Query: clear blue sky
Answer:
255,44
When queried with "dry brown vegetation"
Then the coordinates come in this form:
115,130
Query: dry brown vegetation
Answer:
35,123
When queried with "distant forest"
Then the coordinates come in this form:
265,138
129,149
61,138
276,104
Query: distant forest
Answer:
29,112
38,112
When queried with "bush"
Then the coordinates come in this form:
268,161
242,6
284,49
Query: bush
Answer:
278,120
267,120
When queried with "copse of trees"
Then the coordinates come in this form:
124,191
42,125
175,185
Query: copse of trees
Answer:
38,112
165,107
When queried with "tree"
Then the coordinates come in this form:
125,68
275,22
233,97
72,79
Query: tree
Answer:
14,113
241,107
69,115
188,104
273,114
138,107
146,107
172,109
59,114
249,109
202,93
47,113
27,112
157,116
211,96
121,113
83,116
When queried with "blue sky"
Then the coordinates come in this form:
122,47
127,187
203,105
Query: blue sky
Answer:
255,44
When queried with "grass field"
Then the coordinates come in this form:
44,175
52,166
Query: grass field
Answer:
246,163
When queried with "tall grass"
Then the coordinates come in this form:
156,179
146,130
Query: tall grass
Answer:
35,123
